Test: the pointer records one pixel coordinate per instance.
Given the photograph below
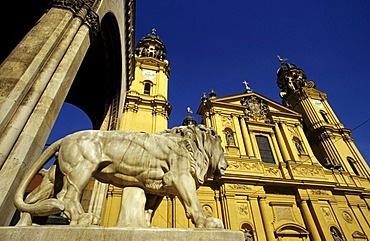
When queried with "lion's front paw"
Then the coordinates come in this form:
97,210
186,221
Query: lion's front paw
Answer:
211,223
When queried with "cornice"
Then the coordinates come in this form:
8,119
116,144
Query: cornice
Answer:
84,10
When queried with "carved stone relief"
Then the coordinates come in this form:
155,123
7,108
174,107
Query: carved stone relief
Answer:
91,18
250,166
293,130
208,211
319,192
359,235
255,109
347,217
307,172
227,121
270,171
240,186
327,213
243,210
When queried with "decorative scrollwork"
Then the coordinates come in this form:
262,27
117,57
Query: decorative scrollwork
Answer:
91,18
207,209
308,171
256,109
272,170
243,210
240,187
244,165
319,192
347,216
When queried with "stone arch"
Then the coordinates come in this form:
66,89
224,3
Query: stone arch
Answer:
336,234
229,136
352,163
47,68
248,231
299,145
97,86
147,87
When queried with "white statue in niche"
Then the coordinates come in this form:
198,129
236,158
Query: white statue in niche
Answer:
173,162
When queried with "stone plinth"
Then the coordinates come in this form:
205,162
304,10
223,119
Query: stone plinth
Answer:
96,233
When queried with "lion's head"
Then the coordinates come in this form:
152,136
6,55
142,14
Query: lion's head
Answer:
206,151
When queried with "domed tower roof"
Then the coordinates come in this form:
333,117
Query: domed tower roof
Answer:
151,46
189,119
287,68
290,78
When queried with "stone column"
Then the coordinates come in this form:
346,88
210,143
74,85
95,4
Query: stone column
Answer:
283,148
276,148
42,80
266,218
310,222
239,135
246,138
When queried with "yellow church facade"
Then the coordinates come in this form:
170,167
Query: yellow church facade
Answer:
294,171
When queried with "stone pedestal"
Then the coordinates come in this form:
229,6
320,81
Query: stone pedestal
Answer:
97,233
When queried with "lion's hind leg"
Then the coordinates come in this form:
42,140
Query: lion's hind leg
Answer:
74,184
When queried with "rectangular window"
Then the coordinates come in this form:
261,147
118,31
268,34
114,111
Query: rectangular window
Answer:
265,149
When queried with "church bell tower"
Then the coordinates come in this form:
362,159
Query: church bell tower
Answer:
147,108
330,140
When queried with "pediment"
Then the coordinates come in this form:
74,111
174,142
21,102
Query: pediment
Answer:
291,229
235,102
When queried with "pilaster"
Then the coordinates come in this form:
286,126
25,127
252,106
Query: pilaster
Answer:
266,217
310,221
284,150
246,138
257,218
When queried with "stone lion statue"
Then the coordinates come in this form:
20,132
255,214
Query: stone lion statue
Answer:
173,162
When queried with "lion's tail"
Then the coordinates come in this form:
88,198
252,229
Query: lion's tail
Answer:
43,207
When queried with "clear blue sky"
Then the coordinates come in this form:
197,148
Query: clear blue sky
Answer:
218,44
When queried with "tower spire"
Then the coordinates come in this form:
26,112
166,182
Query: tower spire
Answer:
331,141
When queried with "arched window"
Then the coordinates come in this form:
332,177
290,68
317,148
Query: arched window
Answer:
353,165
229,135
337,236
147,87
265,149
324,116
248,232
298,144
